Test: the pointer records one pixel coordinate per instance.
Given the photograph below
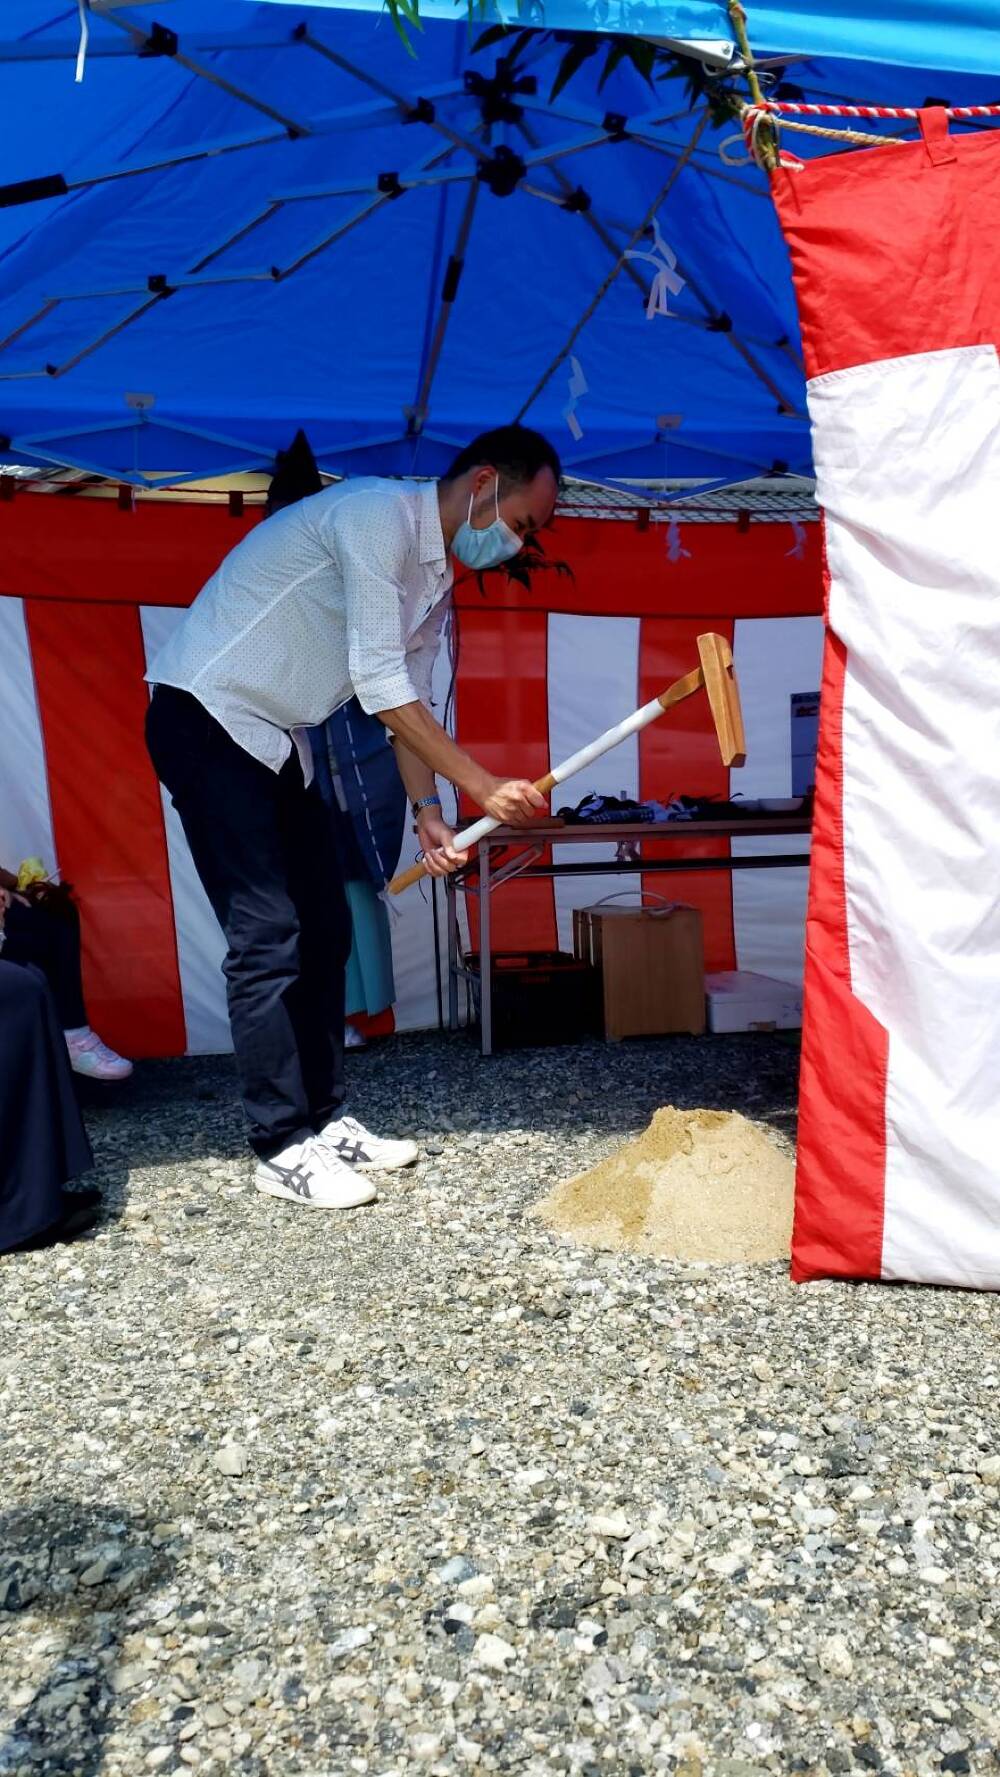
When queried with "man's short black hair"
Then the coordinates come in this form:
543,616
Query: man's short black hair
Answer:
516,452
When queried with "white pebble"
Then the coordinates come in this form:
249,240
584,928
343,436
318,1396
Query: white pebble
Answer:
480,1586
614,1526
231,1460
835,1657
425,1746
350,1640
493,1652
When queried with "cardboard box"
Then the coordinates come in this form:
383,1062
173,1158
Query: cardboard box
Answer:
740,1000
652,967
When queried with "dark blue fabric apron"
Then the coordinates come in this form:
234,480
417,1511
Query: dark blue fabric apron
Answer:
356,747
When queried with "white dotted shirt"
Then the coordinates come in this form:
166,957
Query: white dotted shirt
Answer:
345,592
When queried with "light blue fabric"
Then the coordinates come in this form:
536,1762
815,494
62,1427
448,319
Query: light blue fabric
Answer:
343,341
370,986
490,545
959,35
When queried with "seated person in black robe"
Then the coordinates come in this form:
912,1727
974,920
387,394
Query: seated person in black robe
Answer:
43,1143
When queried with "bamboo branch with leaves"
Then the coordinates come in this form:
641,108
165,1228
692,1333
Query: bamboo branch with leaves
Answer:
651,61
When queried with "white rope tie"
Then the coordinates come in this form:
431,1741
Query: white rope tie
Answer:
83,7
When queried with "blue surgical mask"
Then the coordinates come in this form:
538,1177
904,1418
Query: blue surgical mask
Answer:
488,547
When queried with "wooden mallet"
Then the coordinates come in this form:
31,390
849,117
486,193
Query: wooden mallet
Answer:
716,674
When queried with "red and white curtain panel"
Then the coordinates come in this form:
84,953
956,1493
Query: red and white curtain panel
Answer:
92,592
896,258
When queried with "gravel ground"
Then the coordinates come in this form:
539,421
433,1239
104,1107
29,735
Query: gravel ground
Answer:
422,1488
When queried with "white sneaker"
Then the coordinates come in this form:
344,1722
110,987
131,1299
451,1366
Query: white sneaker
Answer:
310,1173
354,1145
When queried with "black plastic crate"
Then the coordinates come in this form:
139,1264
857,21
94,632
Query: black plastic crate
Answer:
539,997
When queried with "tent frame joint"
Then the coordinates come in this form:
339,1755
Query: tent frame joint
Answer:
159,40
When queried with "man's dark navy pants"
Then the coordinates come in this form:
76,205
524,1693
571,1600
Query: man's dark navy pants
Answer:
265,850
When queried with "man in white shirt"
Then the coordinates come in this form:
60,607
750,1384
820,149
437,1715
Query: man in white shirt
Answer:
341,595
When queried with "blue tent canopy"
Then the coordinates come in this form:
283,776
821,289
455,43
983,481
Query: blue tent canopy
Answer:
958,35
247,218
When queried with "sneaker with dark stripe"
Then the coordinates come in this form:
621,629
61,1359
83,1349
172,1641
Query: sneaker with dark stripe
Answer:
313,1175
354,1145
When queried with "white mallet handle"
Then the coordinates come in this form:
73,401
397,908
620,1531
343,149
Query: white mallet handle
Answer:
595,749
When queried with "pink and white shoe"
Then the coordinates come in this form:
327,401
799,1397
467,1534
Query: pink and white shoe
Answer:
88,1055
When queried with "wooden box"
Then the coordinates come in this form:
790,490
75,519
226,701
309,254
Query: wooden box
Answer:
652,967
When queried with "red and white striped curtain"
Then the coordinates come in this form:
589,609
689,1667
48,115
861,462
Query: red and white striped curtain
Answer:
896,257
91,593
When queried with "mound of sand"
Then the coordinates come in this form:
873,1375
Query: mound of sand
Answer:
701,1185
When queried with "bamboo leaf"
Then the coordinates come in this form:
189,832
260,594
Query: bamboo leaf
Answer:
615,56
487,38
572,62
399,12
642,55
521,41
532,559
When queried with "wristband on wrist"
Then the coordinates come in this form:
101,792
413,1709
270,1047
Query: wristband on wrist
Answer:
424,802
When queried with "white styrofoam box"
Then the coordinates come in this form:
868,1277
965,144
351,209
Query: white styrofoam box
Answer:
740,1000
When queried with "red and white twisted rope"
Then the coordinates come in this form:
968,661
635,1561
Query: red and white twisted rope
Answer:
803,110
774,111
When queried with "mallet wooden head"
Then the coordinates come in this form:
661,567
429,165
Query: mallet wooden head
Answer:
716,658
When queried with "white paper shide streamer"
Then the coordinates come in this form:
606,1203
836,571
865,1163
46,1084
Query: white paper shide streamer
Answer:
667,281
577,387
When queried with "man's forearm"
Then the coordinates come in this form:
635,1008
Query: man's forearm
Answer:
418,734
418,779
